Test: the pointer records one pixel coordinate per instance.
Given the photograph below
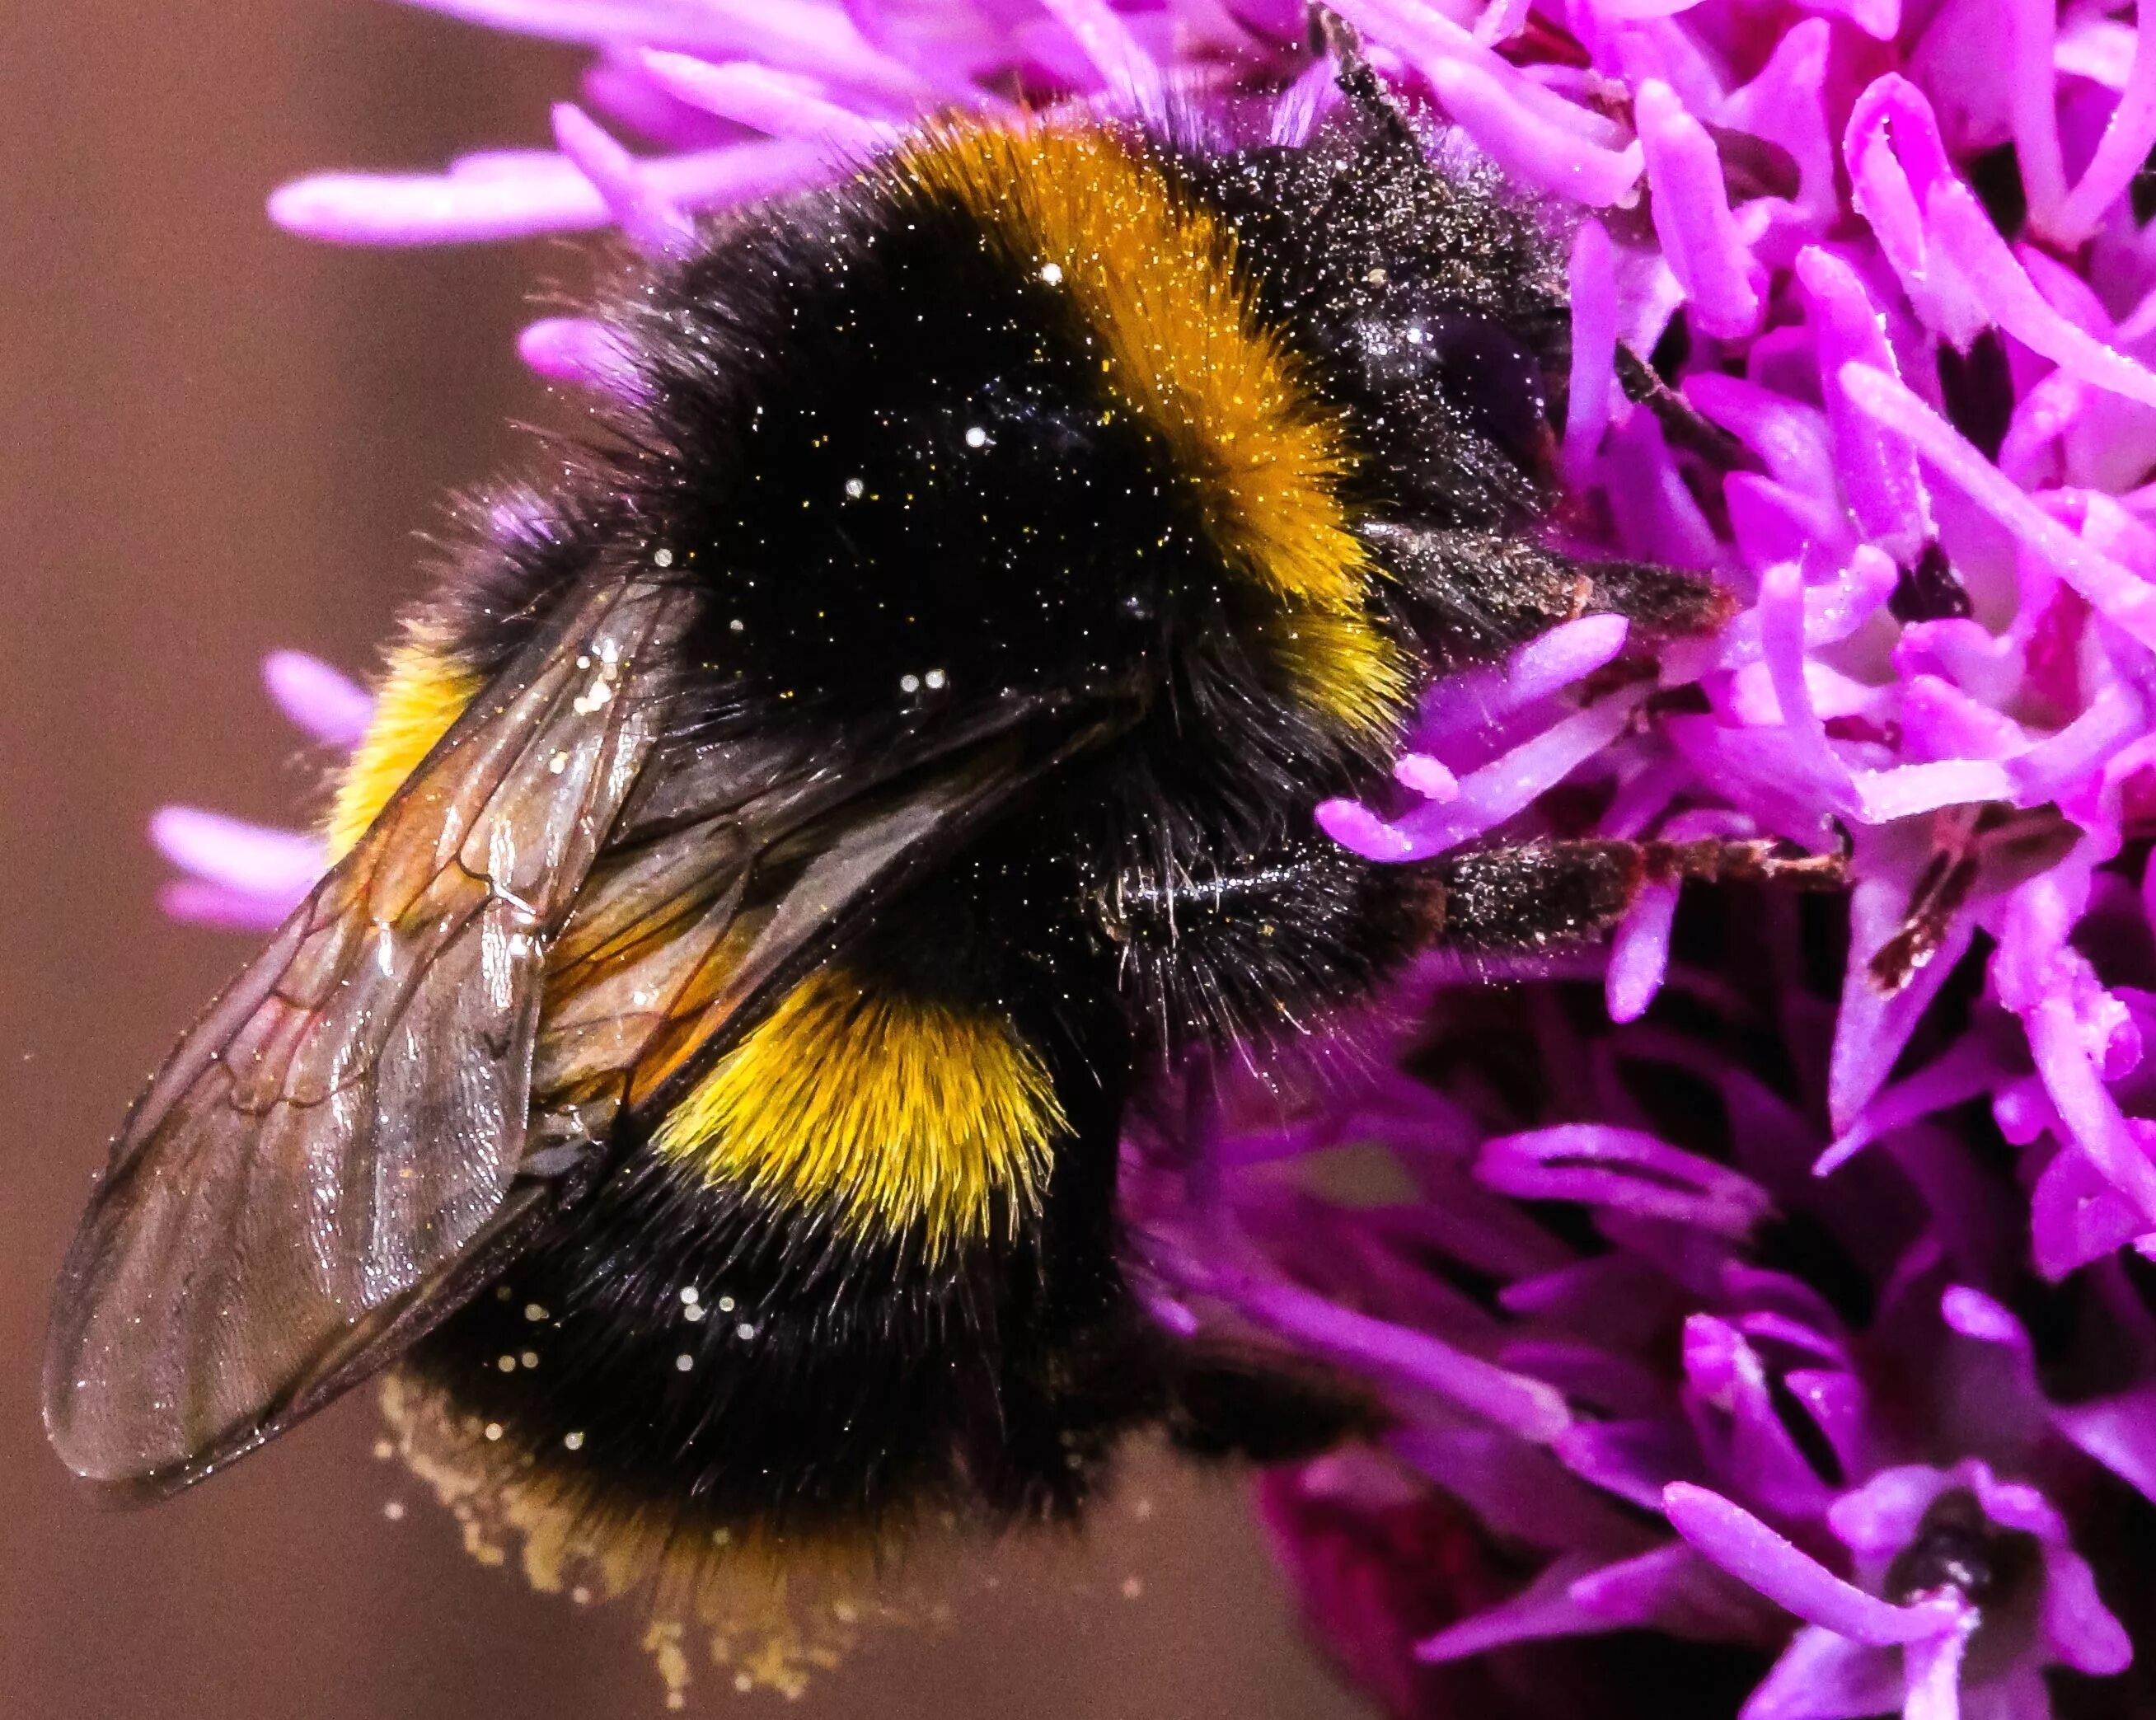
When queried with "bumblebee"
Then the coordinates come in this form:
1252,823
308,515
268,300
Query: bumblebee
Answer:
789,846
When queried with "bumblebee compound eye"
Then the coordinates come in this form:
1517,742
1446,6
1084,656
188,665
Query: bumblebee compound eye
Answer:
1471,369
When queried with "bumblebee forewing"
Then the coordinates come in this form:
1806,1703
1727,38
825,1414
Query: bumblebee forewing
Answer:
297,1183
690,926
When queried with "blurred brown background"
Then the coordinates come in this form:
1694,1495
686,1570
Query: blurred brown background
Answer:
219,440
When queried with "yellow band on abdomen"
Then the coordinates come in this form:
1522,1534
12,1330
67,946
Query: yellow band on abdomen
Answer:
899,1113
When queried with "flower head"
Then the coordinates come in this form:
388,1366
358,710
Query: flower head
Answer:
1703,1279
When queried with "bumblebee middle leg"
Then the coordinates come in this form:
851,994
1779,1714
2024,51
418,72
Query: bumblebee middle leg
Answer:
1555,895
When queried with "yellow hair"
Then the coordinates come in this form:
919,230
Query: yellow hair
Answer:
894,1111
1183,350
421,694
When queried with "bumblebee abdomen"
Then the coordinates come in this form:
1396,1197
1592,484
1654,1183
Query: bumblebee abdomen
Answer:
830,1340
893,1115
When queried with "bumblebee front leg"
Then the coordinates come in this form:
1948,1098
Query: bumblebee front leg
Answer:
1237,950
1485,591
1555,895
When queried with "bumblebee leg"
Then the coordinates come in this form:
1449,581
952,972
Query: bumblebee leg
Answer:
1339,42
1486,591
1558,894
1683,424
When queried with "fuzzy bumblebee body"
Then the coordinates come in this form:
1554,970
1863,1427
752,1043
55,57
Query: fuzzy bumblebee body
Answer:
786,851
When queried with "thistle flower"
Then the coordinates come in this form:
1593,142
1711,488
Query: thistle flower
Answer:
1790,1308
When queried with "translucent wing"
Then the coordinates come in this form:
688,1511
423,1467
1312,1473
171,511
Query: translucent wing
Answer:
729,877
331,1149
562,912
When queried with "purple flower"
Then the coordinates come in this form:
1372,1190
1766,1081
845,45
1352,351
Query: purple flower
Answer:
1680,1383
1704,1276
1941,1544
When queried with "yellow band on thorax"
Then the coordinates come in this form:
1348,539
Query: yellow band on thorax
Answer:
1155,276
420,696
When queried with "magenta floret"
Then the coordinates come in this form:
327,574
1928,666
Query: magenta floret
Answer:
1704,1306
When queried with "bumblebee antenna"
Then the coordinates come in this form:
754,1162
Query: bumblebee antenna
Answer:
1339,41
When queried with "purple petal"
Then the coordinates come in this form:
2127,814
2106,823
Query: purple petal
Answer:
1546,665
1698,234
2076,1215
2089,1111
1487,797
1973,1314
1126,67
768,101
1931,1670
1971,1068
2040,418
1781,647
620,91
1824,1676
1544,1610
1873,1026
201,903
2050,770
1833,1399
1542,140
403,209
1885,1515
1591,289
1530,1408
1655,513
325,702
1623,1169
1519,1490
1967,238
810,37
581,350
2128,601
1740,1426
1426,38
644,213
1834,609
1610,1298
2015,1505
1639,954
2031,32
1995,1368
1790,436
1878,476
1786,103
2127,138
252,859
1427,776
1738,1542
1634,1459
1894,157
428,208
2119,1432
1673,1589
2083,1631
1485,104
